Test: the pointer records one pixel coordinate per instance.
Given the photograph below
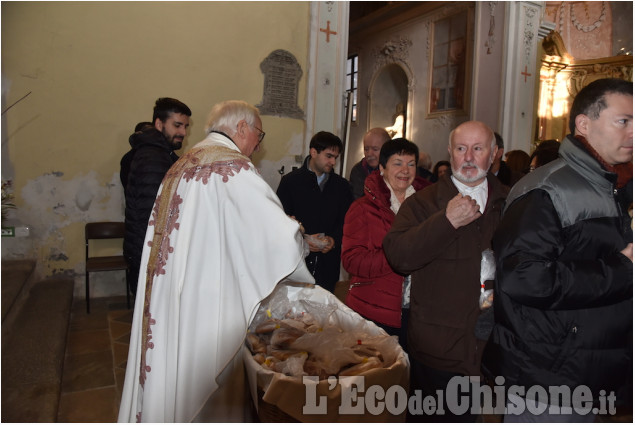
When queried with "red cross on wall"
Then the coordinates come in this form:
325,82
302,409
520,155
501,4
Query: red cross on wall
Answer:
328,31
526,74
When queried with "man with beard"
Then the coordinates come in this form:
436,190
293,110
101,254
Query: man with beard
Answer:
439,237
152,156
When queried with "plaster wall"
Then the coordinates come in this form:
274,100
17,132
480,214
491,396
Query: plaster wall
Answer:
94,69
429,132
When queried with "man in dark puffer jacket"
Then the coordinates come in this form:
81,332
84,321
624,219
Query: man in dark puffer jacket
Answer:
564,287
153,155
127,158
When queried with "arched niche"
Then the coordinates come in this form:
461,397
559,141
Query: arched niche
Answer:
388,98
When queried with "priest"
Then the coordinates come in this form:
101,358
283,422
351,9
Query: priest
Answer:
218,242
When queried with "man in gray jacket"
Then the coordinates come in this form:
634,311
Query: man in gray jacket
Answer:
564,285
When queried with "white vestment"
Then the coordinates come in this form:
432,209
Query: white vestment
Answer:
218,242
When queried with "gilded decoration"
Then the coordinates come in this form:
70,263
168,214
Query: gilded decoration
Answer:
562,77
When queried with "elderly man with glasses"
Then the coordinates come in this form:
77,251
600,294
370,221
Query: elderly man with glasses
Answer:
218,242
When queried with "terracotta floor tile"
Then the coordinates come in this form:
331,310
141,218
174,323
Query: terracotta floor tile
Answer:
94,367
87,371
82,342
120,377
124,339
118,329
98,405
120,315
120,355
82,321
120,305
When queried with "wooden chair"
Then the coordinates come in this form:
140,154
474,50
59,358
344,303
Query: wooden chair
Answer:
104,230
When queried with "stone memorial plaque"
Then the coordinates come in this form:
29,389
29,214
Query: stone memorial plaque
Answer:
280,92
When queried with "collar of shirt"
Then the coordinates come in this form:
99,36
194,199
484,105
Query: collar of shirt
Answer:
478,192
321,180
394,202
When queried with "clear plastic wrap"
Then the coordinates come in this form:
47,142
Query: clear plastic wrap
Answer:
277,376
318,240
488,272
290,328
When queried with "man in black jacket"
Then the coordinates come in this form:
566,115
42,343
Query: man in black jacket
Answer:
152,156
319,199
127,158
564,279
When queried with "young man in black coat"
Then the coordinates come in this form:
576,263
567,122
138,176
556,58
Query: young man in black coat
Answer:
319,199
152,156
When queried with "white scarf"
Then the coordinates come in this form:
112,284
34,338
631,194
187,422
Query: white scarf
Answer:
394,206
478,193
394,202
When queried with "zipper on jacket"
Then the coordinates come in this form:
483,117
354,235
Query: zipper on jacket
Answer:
566,348
355,284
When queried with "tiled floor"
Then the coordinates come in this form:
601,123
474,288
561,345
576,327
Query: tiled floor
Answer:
94,366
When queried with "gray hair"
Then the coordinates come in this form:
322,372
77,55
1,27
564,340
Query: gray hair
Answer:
226,115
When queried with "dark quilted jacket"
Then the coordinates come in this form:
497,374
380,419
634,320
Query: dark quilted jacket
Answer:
564,292
153,157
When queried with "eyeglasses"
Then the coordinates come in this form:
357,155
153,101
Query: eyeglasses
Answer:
261,135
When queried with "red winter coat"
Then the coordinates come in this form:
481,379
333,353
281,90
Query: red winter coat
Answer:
375,289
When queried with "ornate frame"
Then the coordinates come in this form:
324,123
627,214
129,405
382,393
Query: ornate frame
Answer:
466,63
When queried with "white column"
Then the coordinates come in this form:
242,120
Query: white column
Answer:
520,73
328,52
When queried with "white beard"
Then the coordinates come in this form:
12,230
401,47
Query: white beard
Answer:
460,176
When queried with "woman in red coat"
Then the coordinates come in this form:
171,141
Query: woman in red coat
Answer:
377,292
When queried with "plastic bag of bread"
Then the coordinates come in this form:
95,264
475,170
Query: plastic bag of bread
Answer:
309,333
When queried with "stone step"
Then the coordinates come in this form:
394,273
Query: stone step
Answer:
33,353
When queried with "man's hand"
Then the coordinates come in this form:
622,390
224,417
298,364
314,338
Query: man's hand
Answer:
330,242
462,210
628,251
318,243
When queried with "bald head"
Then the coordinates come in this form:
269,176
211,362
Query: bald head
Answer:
373,141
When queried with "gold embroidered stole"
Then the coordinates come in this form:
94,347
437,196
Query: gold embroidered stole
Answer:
198,164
